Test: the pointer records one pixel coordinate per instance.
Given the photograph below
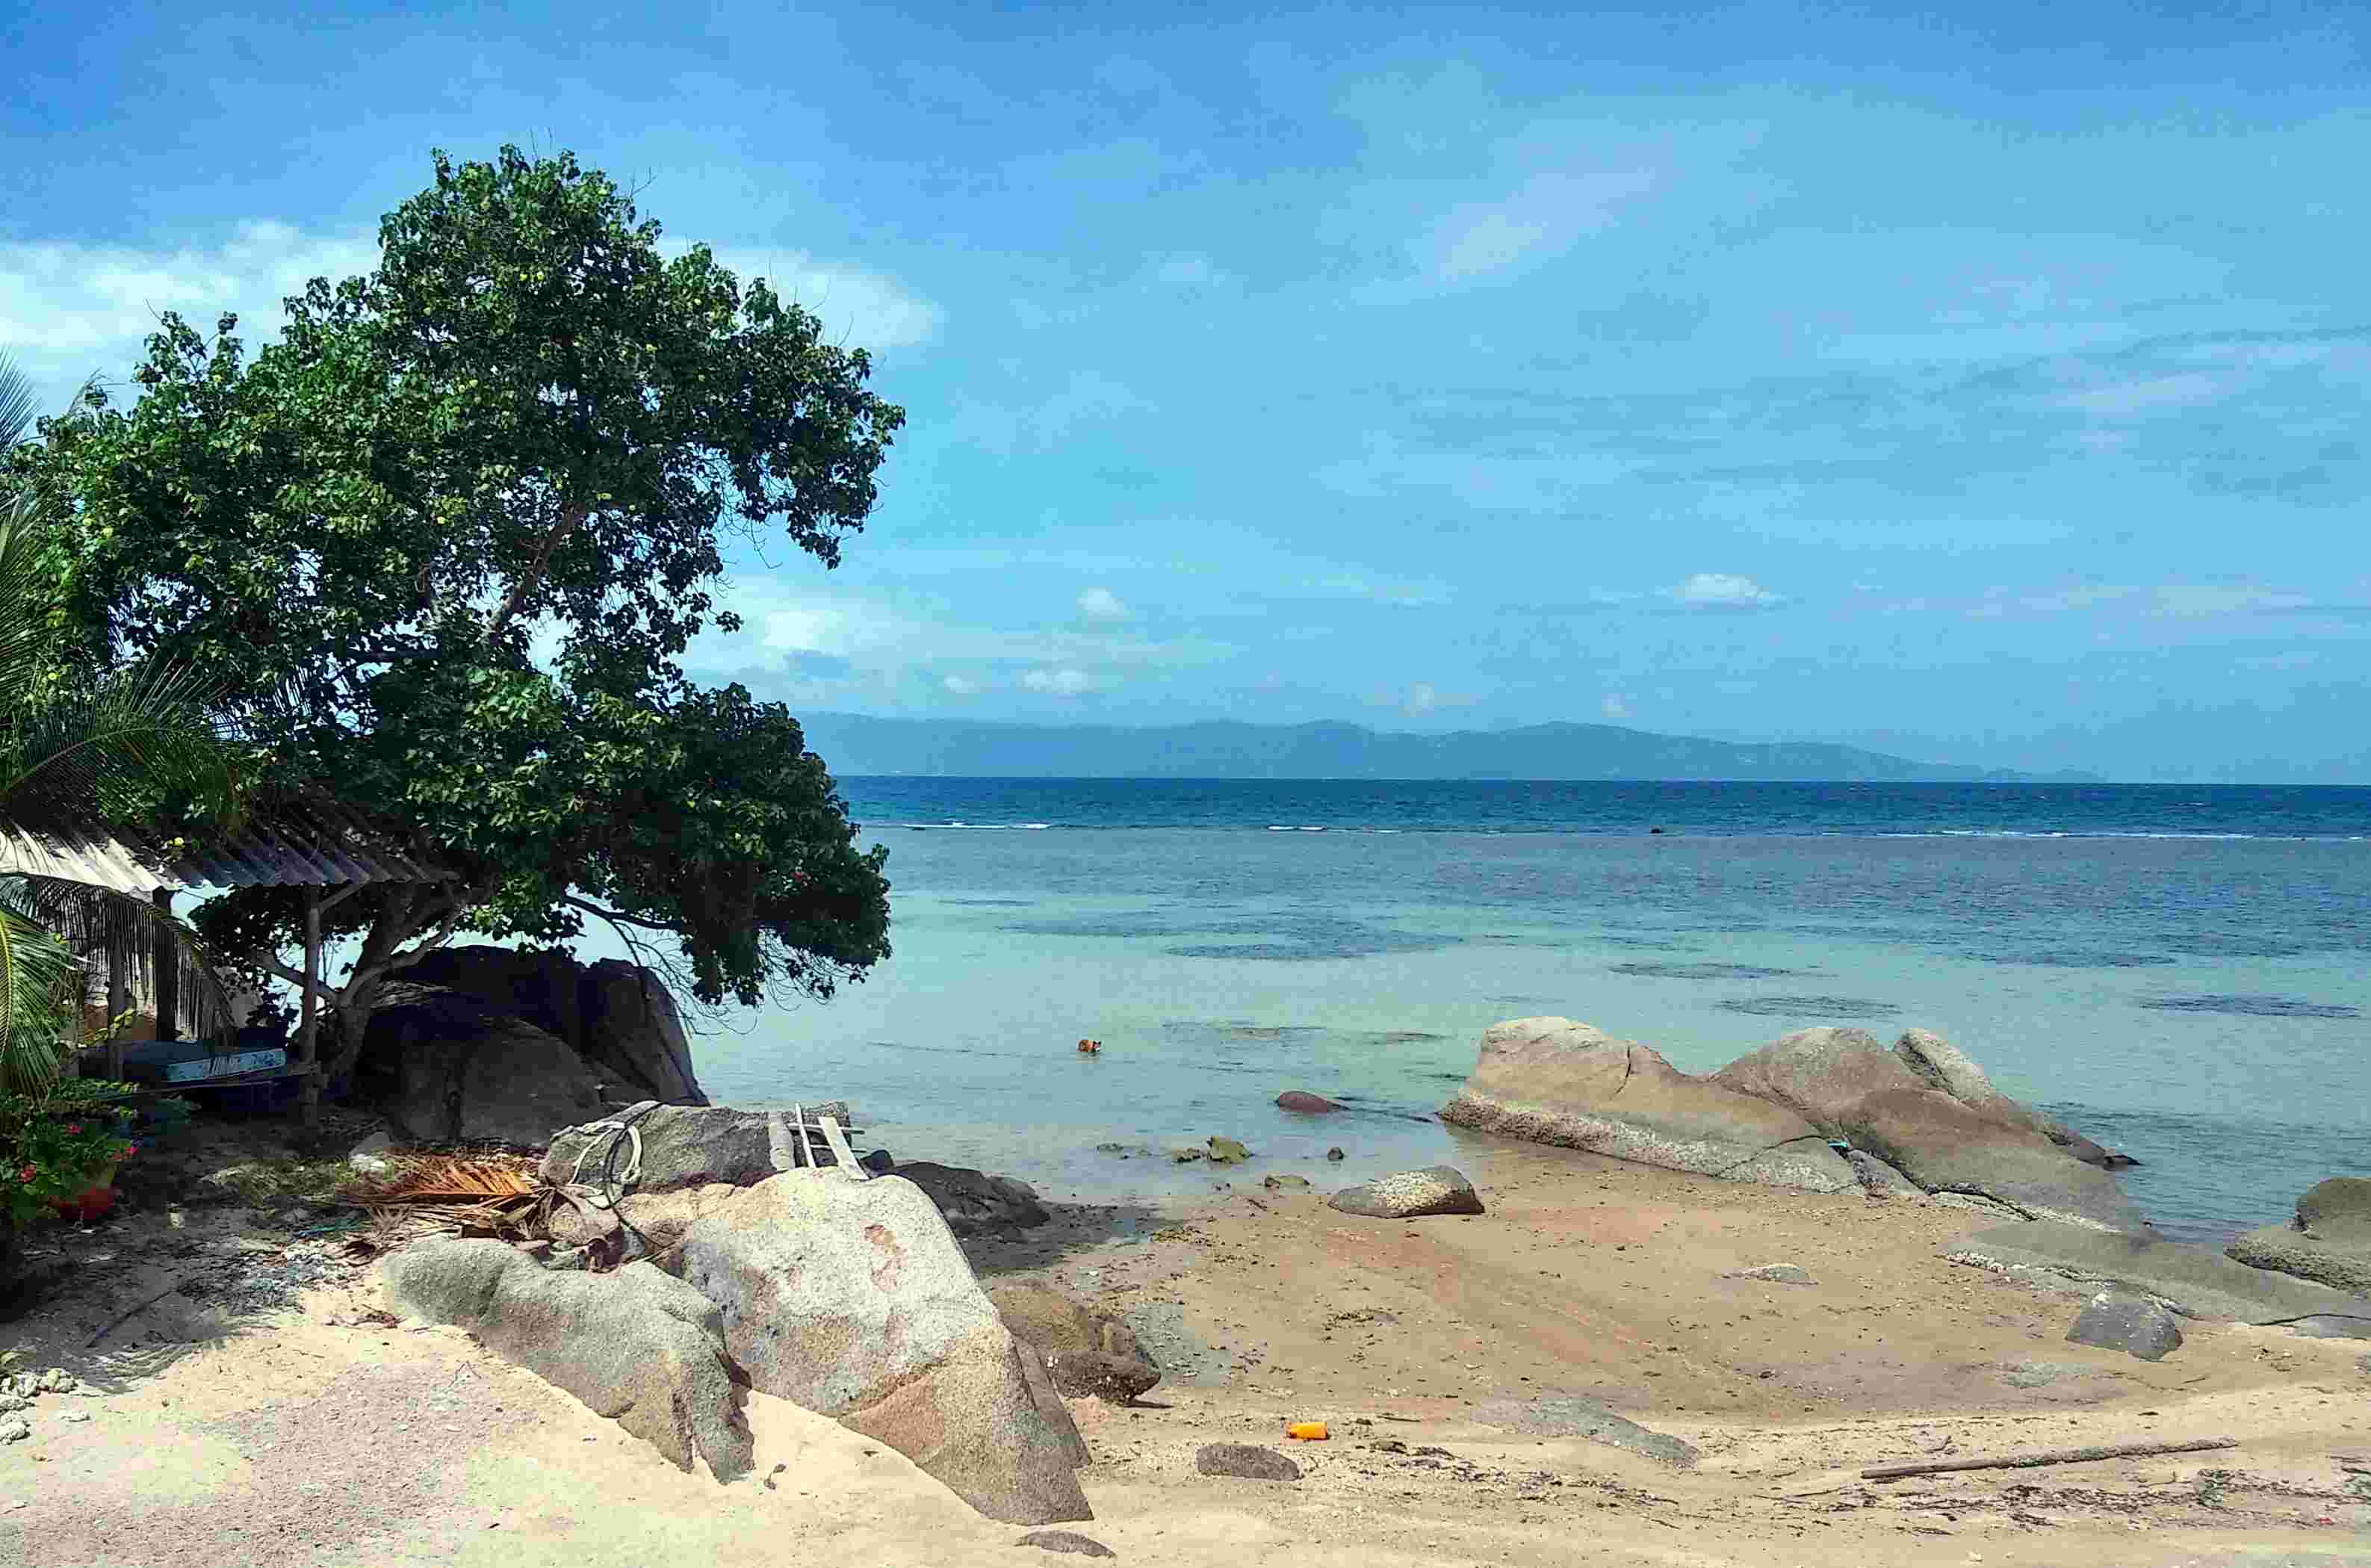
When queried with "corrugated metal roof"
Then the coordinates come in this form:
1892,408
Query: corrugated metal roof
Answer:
307,843
96,862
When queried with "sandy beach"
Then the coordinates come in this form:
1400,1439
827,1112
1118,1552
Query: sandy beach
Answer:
311,1427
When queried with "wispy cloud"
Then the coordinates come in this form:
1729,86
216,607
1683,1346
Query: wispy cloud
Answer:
1722,590
1538,221
1102,604
1058,683
857,305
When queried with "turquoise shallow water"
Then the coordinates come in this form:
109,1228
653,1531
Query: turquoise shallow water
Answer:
2196,995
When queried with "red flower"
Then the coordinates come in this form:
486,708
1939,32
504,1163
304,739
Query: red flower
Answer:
131,1149
72,1127
26,1174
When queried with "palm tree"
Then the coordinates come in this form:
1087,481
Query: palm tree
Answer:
84,747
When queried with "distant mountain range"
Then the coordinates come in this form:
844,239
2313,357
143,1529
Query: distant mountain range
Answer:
854,746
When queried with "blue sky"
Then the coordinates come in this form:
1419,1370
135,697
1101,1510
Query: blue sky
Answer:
1986,383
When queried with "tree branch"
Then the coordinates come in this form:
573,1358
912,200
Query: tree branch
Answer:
571,519
320,988
617,918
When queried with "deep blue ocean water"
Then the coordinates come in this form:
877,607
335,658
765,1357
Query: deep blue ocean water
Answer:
2177,970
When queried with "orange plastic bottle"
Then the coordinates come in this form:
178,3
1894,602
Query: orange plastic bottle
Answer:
1307,1431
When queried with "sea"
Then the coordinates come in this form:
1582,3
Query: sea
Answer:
2178,971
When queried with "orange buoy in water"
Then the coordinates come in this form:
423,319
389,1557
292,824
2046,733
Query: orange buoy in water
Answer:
1307,1431
1090,1046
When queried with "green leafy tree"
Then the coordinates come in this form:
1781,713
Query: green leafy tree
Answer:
87,750
445,546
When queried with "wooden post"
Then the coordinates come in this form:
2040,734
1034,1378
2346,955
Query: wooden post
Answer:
307,1029
119,997
167,965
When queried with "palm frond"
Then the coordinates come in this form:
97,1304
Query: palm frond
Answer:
444,1178
38,976
16,404
106,926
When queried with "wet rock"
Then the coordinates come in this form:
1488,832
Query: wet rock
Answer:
1246,1461
1278,1183
1775,1273
850,1298
1437,1189
1307,1103
1227,1151
1552,1080
1066,1541
1879,1180
1336,1154
1086,1354
2328,1242
975,1203
1188,1156
2118,1319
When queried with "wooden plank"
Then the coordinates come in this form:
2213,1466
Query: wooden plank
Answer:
840,1152
236,1081
2050,1457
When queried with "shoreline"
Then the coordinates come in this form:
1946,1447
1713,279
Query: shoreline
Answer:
1430,1346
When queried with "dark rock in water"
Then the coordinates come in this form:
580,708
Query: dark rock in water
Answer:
1227,1151
1067,1541
1310,1104
1552,1080
2117,1319
619,1017
2328,1242
877,1161
1702,971
1927,1110
975,1203
1336,1154
446,1067
1437,1189
1086,1354
2252,1006
1245,1461
1556,1415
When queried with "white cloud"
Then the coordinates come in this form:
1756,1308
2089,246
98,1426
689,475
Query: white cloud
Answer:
1722,590
1103,605
864,308
1058,683
958,686
1614,707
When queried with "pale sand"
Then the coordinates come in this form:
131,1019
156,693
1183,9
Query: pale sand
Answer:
311,1437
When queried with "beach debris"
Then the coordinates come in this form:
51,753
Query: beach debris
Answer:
415,1194
2050,1457
1567,1416
368,1158
1304,1103
851,1299
645,1349
1775,1273
1089,1047
1227,1151
1437,1189
1067,1541
1336,1154
1086,1354
1306,1430
1245,1461
2125,1320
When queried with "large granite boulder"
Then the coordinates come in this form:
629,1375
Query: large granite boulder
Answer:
1953,1071
850,1298
682,1146
2126,1320
2196,1282
1552,1080
619,1017
1906,1106
2329,1242
1085,1353
641,1348
446,1067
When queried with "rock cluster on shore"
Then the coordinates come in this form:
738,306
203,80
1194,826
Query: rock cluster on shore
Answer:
1824,1109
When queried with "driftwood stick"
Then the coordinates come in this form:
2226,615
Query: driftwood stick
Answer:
2050,1457
123,1317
